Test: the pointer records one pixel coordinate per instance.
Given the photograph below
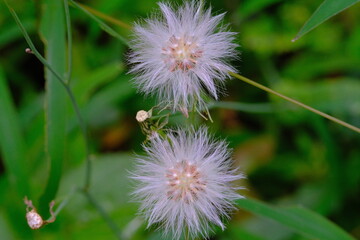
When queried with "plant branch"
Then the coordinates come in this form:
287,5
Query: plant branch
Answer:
327,116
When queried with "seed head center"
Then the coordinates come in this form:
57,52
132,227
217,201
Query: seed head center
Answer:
185,182
181,53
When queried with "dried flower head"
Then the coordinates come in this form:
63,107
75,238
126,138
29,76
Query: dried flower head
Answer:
185,183
181,55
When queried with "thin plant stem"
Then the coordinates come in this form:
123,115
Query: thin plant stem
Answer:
103,25
64,202
103,213
105,17
69,40
327,116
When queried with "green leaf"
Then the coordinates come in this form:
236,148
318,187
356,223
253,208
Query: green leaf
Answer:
53,35
301,220
12,143
325,11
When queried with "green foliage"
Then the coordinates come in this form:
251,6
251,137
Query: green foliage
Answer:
325,11
300,219
52,31
291,157
12,143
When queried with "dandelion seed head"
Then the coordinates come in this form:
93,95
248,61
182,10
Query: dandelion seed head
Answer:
186,181
182,55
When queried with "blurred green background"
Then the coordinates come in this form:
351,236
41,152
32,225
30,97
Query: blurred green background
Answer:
290,156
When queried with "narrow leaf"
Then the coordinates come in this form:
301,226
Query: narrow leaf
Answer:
325,11
53,34
12,143
301,220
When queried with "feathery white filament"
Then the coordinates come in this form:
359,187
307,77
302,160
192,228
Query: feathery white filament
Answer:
185,181
182,56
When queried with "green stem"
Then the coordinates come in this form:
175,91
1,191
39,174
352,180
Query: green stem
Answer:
103,213
64,202
327,116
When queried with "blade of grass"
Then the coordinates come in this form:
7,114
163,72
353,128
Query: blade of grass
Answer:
326,10
103,25
69,41
52,31
327,116
335,180
12,143
301,220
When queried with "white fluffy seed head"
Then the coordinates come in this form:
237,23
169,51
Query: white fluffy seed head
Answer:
182,55
185,181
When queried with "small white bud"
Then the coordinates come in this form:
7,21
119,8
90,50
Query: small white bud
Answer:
28,50
34,219
142,115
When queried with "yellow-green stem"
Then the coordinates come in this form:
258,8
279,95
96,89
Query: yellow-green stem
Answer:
105,17
327,116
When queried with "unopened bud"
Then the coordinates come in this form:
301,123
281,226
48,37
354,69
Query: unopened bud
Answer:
142,115
28,50
34,219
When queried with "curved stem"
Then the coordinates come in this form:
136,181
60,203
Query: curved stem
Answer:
86,138
327,116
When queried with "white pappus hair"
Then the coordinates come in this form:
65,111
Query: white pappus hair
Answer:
182,55
185,183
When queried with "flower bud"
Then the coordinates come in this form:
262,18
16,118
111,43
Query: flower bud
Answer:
142,115
34,219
